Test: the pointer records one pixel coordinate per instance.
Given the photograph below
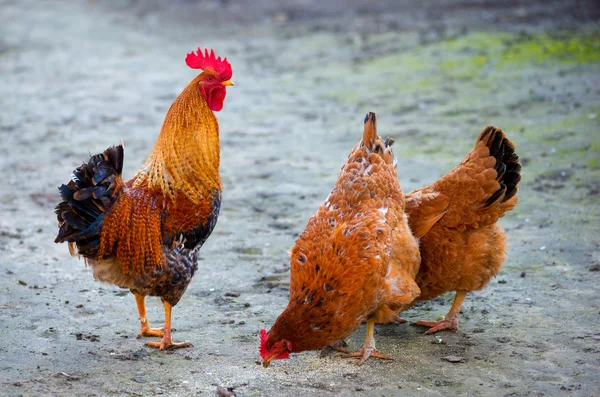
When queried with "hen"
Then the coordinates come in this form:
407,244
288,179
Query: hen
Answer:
462,246
145,234
355,261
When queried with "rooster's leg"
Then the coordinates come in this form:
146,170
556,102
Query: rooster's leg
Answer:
368,348
144,323
167,341
450,320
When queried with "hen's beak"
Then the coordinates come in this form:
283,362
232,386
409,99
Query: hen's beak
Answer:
267,361
227,83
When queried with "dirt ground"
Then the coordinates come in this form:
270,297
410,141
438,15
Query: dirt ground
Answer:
77,77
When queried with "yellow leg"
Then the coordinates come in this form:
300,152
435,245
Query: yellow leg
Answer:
450,320
144,323
368,348
167,340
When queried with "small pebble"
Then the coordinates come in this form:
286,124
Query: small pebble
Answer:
454,359
232,294
594,268
523,274
22,282
543,248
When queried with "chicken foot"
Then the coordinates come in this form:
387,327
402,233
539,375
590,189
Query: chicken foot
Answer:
368,349
450,320
145,329
340,346
167,340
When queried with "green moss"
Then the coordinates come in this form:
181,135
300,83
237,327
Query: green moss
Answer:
481,56
544,47
593,164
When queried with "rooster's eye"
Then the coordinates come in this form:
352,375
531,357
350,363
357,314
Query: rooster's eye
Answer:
210,79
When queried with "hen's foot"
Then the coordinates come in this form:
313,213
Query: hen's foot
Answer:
435,326
160,332
400,320
365,352
340,346
168,344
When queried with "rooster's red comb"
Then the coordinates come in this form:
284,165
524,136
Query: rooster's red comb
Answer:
208,60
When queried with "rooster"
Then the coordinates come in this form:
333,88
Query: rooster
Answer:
455,218
355,261
145,234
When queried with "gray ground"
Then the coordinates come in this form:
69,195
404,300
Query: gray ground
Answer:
77,77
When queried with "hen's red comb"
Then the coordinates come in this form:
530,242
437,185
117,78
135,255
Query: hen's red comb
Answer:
208,60
263,343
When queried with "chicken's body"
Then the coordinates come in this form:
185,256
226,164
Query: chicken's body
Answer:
355,261
462,246
145,234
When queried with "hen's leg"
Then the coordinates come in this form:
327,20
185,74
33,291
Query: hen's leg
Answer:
167,340
368,348
144,323
450,320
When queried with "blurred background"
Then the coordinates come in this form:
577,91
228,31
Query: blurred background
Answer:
79,76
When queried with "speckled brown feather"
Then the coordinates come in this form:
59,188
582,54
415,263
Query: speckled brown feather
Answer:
462,247
356,259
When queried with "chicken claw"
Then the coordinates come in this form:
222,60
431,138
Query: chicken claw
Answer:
168,344
368,349
435,326
147,331
167,341
340,346
450,321
365,352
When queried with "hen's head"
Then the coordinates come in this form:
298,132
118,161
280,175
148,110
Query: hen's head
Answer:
277,351
215,76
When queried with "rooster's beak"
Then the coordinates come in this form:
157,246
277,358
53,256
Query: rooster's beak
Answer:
227,83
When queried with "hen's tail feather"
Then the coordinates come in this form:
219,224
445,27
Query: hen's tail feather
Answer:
370,131
85,199
507,165
374,142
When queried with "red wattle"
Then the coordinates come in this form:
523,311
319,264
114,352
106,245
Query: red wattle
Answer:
215,97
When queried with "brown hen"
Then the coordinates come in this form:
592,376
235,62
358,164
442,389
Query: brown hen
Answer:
355,261
462,246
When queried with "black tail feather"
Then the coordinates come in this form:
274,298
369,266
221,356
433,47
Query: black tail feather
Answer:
507,165
86,198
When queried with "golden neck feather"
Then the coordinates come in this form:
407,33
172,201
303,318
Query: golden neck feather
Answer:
185,158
